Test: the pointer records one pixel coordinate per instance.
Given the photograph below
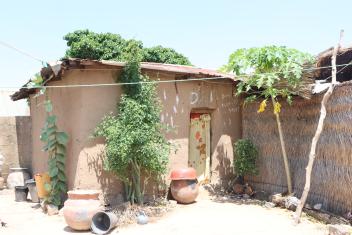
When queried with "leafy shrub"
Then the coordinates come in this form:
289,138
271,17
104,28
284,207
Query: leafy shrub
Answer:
135,145
245,156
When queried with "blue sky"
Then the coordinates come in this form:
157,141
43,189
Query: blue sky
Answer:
205,31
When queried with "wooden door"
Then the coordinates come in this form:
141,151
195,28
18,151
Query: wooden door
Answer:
199,145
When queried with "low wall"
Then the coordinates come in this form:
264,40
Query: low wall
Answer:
332,171
15,142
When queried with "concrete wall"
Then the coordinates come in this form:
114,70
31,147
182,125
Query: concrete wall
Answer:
79,110
15,142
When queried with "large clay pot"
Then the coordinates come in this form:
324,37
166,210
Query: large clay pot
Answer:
184,174
17,177
184,185
80,208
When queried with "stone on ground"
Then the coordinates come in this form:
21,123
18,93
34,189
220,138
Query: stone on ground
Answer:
339,229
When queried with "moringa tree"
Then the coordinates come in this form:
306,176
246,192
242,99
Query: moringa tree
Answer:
268,73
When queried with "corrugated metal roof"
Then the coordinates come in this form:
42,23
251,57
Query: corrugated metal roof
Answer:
170,68
57,69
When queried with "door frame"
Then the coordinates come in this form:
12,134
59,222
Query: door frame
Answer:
210,112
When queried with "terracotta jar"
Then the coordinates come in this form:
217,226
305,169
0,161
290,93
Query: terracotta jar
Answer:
184,185
80,207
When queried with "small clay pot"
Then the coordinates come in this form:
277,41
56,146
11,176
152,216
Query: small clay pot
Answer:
80,208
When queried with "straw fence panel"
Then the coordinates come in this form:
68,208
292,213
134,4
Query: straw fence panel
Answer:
332,171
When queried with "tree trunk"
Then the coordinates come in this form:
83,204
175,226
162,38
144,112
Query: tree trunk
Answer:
136,176
283,149
317,135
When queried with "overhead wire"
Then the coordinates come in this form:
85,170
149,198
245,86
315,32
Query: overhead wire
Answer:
152,82
141,82
22,52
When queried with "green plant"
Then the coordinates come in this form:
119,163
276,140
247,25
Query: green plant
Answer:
268,73
245,157
136,149
55,144
161,54
107,46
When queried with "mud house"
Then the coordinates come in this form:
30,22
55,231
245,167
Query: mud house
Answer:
204,115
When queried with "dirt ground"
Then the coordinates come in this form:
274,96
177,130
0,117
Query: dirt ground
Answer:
206,217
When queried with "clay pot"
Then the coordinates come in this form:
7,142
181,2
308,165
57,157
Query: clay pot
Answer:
17,177
184,174
80,208
184,185
184,191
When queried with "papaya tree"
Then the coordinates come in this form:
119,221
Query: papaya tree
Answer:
270,74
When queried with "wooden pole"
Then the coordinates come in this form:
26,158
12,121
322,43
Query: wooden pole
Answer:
283,149
318,133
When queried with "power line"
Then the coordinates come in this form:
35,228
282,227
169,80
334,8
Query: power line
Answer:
21,51
144,82
154,82
119,84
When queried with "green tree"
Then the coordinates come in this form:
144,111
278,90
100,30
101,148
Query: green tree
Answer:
268,73
86,44
135,146
161,54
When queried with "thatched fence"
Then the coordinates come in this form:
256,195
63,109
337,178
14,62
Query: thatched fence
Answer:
332,172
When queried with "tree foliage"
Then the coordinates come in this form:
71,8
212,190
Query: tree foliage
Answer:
86,44
135,145
161,54
268,72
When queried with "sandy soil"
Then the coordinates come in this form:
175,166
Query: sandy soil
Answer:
205,217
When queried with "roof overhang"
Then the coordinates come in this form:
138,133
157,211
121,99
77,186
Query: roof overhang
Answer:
55,71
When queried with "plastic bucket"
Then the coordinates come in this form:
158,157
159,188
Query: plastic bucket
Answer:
40,181
32,190
103,222
21,193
